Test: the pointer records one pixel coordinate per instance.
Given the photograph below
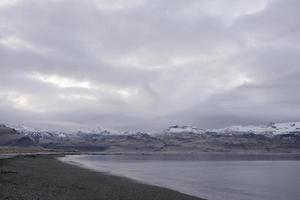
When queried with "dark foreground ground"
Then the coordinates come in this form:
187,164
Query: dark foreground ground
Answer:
45,178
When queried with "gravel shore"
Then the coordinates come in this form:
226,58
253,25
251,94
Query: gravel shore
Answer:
45,178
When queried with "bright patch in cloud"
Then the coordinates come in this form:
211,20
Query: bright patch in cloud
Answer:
22,102
8,2
62,82
100,89
16,43
126,93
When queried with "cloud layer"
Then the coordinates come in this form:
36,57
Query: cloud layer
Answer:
144,64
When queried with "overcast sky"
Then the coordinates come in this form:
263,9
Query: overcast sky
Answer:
148,64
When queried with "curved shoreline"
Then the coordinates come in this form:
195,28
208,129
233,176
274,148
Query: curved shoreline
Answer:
77,163
150,169
45,177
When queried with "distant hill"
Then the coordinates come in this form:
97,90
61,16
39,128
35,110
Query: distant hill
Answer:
7,135
274,137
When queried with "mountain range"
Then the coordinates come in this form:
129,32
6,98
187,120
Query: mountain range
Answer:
274,137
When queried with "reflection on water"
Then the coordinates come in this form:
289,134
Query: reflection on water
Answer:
215,177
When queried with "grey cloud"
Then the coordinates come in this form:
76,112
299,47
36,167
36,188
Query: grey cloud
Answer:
149,64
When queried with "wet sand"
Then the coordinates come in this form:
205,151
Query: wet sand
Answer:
44,177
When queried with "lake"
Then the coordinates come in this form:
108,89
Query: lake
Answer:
210,176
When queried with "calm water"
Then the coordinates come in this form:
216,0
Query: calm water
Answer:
212,177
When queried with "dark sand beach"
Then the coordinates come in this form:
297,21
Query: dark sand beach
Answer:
44,177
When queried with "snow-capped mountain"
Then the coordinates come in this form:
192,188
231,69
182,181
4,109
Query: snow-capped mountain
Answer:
49,133
277,137
22,128
271,129
98,130
268,130
40,136
184,129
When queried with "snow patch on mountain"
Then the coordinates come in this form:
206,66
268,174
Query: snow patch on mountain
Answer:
184,129
22,128
270,129
98,130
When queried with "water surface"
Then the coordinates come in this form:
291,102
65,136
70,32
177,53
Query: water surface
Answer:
217,177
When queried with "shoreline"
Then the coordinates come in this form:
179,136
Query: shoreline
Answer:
46,177
115,164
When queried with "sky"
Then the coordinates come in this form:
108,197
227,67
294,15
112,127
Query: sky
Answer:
149,64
